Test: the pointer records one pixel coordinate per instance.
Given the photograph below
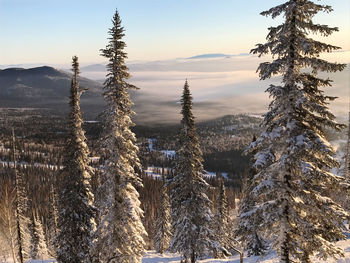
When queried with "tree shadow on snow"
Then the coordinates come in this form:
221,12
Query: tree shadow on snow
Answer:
153,257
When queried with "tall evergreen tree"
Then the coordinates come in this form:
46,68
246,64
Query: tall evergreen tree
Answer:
163,225
222,205
223,222
294,157
120,231
38,248
75,199
347,153
52,221
22,220
191,215
247,233
8,226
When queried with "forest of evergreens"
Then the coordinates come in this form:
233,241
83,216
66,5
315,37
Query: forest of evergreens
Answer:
107,190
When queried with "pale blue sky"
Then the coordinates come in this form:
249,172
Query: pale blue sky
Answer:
51,31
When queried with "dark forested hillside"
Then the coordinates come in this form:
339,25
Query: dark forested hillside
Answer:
222,140
46,87
41,135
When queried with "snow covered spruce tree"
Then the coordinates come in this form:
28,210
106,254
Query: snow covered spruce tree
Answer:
192,218
38,248
248,233
52,219
294,157
222,205
76,212
22,220
8,226
223,222
120,231
163,225
23,233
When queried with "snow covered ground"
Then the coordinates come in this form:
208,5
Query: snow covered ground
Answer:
41,261
153,257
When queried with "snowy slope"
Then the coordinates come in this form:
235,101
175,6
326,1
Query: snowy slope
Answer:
153,257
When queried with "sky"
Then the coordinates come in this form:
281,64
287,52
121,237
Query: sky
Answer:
160,36
52,31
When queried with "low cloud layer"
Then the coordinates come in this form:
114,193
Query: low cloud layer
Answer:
220,86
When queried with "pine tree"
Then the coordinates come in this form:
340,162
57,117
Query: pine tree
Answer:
75,199
347,153
294,157
22,220
163,225
120,231
222,205
8,226
191,215
247,233
38,248
51,230
223,222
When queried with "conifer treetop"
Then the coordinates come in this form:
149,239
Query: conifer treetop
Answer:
289,41
186,111
189,153
118,72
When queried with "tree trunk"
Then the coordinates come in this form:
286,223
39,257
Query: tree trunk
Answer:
285,247
13,253
193,257
11,241
19,236
306,258
286,236
285,252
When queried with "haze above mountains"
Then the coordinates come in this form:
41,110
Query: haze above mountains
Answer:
221,84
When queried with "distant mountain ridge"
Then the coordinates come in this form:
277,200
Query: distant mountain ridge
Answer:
46,87
31,71
217,55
